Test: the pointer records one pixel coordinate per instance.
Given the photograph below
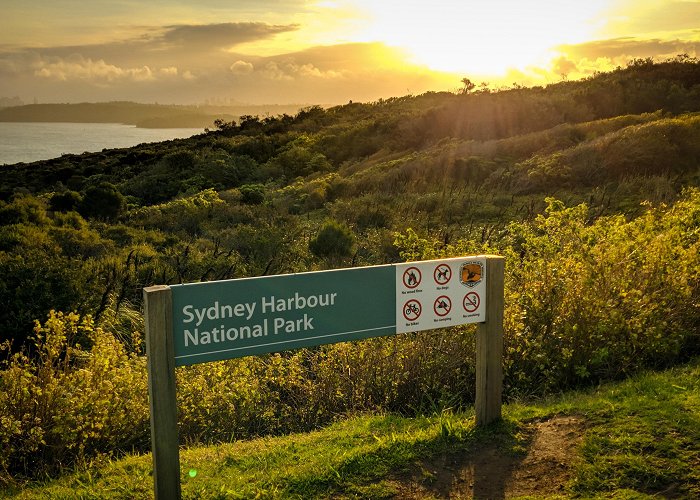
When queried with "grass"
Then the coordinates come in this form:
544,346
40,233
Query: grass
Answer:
641,440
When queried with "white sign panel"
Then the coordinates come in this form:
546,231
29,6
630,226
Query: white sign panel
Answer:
440,293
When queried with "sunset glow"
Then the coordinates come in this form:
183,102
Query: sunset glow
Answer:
323,51
487,38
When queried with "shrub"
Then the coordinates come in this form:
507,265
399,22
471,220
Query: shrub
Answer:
23,209
103,201
74,394
65,201
334,241
587,302
252,194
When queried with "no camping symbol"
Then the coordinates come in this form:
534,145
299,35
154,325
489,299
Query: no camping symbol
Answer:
442,305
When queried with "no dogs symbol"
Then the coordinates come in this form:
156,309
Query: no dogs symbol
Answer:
442,274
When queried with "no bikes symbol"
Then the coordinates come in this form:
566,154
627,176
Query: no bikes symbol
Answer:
412,310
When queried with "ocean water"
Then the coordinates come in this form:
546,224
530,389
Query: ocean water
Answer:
27,142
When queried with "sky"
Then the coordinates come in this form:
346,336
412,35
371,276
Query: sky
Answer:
321,51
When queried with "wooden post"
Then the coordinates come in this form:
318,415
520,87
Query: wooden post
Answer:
160,353
489,346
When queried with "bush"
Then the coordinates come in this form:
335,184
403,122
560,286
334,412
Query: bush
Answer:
601,301
23,209
65,202
103,201
74,394
252,194
334,241
592,302
585,302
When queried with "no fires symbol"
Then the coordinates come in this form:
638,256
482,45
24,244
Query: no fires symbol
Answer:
411,277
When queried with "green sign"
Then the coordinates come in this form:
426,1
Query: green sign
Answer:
229,319
234,318
219,320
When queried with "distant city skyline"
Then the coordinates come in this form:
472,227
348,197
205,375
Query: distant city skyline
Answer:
326,52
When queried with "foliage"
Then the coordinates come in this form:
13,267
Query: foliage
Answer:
50,260
599,285
333,241
73,393
103,201
639,439
66,201
252,194
589,302
598,301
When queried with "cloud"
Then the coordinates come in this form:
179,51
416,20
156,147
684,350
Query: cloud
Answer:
351,61
99,72
242,68
290,70
223,35
563,66
153,54
577,61
176,45
631,47
169,71
653,16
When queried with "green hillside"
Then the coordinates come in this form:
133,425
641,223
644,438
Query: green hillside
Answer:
638,439
589,189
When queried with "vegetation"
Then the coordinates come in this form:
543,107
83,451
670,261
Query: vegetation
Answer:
589,189
640,441
141,115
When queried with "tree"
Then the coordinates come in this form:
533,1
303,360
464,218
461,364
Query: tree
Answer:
252,194
103,201
468,85
65,201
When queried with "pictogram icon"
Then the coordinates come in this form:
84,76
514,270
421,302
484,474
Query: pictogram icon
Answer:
442,274
412,310
411,277
471,302
442,305
470,273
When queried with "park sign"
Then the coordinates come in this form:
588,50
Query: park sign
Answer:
199,322
232,318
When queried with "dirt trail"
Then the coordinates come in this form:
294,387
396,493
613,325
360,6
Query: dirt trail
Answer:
494,474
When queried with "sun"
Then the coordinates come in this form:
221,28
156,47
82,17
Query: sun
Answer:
480,37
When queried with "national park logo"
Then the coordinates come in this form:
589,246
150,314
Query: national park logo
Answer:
470,273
